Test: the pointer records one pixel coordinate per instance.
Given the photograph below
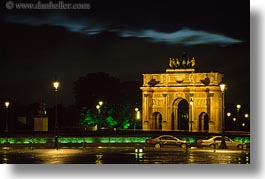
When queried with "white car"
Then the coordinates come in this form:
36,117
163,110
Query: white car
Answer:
215,141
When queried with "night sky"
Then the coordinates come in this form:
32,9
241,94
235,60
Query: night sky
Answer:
125,39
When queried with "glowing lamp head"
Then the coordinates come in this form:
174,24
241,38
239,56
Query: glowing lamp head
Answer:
7,103
228,114
191,102
138,115
56,85
100,103
222,87
98,106
238,106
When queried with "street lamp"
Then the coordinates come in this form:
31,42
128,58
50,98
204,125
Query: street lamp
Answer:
98,106
7,103
223,144
137,116
56,85
238,106
100,103
191,104
246,115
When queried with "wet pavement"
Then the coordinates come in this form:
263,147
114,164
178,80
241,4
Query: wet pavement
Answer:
123,155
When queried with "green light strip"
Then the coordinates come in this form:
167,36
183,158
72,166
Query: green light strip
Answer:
79,140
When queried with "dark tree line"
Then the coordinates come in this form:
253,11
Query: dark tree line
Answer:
119,99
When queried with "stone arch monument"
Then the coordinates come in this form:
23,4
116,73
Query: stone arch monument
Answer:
182,99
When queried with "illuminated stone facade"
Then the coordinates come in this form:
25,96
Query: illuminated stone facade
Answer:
181,99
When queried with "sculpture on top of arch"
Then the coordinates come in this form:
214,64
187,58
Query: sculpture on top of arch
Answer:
183,62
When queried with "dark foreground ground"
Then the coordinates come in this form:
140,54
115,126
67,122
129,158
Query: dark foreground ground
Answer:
123,155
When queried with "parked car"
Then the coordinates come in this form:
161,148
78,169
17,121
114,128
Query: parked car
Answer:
215,141
166,140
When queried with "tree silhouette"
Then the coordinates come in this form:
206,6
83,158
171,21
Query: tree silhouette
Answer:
93,87
119,100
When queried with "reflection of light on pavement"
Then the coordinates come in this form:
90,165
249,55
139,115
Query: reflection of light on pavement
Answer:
60,151
98,159
98,155
228,151
53,156
5,159
139,155
217,151
210,156
191,159
247,159
4,152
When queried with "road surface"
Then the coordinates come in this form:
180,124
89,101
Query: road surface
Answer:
123,155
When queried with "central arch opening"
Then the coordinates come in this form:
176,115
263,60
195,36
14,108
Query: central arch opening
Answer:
180,114
183,115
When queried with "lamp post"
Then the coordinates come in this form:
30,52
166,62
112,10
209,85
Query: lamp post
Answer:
7,103
223,144
100,103
191,104
137,117
56,85
230,122
238,106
